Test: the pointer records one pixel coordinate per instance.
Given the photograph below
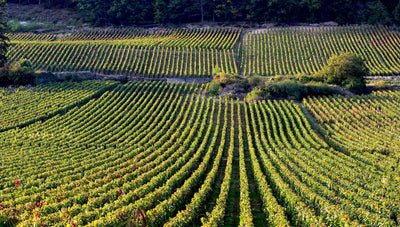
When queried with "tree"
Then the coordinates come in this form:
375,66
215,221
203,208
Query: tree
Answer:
183,11
226,10
95,11
347,70
396,13
378,13
257,10
160,11
3,38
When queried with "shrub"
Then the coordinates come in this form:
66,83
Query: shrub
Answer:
255,80
319,89
256,94
226,79
292,89
355,84
347,70
285,89
317,77
21,73
305,78
4,76
244,84
214,88
230,96
381,84
24,63
216,70
73,77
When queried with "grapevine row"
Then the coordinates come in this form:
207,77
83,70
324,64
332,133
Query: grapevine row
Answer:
21,107
297,50
124,59
161,154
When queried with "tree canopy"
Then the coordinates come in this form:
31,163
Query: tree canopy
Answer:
347,70
3,38
137,12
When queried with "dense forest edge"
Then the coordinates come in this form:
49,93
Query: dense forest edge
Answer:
143,12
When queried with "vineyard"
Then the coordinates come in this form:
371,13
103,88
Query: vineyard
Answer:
21,107
197,52
133,52
154,154
295,50
361,124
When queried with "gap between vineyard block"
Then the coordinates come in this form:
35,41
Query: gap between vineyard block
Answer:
236,50
63,111
256,203
212,198
232,207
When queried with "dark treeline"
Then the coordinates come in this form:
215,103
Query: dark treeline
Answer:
47,3
140,12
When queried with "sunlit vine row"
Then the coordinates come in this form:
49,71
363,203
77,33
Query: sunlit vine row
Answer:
154,154
203,38
368,123
22,106
296,50
298,167
113,58
31,37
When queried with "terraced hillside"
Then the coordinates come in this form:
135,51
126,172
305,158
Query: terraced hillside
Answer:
295,50
134,52
362,124
198,52
19,107
153,153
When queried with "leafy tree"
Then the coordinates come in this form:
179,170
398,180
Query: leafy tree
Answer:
378,13
396,13
314,8
3,38
22,73
120,12
257,10
226,10
95,11
341,11
131,12
181,11
160,11
347,70
19,73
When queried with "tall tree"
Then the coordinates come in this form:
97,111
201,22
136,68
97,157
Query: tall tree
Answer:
226,10
183,11
160,11
3,38
396,13
96,11
257,10
377,13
